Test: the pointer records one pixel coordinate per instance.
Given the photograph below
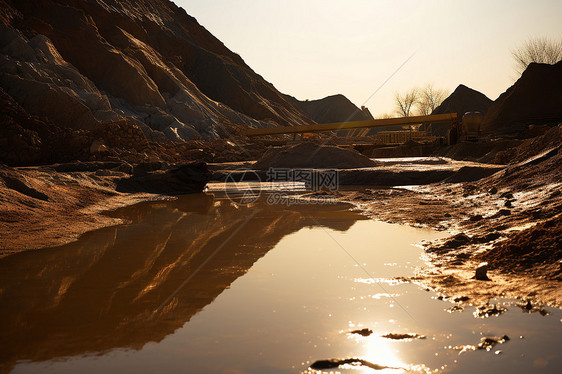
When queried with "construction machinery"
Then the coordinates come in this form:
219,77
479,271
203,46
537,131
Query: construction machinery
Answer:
471,123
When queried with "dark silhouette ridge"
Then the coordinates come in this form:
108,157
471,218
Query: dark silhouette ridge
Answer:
462,100
536,98
335,108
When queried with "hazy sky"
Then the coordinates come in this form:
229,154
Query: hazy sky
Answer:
314,48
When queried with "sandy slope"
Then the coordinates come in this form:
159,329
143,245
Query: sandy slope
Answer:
42,207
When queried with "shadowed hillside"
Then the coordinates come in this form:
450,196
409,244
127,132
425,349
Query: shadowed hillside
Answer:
83,62
536,98
335,108
462,100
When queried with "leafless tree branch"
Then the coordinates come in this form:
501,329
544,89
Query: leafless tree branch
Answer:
405,103
430,98
542,50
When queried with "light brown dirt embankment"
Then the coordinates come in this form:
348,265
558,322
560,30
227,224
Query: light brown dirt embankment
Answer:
42,207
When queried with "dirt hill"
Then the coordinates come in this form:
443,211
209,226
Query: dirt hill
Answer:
81,63
335,108
536,98
313,156
462,100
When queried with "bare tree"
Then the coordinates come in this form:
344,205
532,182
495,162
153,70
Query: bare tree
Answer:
543,50
405,103
430,98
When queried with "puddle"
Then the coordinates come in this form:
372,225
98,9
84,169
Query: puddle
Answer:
202,285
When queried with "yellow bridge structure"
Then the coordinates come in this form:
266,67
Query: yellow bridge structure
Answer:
385,122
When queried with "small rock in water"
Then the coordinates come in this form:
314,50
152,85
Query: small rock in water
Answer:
530,308
326,364
493,191
481,272
461,299
362,332
403,336
455,308
488,343
487,310
335,363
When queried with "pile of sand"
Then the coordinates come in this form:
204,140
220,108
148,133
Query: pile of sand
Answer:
537,247
531,147
534,99
313,156
336,108
462,100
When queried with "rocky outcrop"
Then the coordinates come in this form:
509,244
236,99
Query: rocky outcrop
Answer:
536,98
30,140
26,139
82,63
462,100
36,75
180,180
336,108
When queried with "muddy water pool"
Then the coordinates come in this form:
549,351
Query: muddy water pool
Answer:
203,285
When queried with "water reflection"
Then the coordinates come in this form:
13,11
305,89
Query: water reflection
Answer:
280,295
378,349
102,291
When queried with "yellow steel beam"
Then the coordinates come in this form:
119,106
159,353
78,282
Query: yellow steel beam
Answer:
401,121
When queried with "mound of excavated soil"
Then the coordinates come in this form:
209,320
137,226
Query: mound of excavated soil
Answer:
313,156
531,147
462,100
534,99
336,108
538,247
83,62
481,151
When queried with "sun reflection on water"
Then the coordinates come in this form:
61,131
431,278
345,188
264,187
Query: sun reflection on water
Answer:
380,351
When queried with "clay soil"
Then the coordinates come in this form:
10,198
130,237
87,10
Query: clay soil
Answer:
41,208
512,220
